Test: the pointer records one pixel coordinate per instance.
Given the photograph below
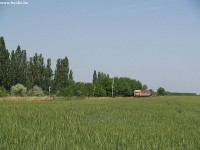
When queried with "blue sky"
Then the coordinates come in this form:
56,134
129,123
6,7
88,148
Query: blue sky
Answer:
156,42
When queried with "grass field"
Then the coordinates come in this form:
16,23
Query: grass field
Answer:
119,123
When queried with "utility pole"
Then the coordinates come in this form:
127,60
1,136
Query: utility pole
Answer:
94,90
113,86
49,90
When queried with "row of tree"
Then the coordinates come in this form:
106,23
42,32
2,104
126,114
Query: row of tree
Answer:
179,94
102,86
15,67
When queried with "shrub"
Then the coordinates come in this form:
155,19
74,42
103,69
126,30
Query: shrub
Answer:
161,91
100,91
36,91
66,92
3,92
18,90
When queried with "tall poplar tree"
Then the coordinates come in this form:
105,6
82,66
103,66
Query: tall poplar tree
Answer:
94,77
38,70
61,73
48,75
29,74
18,66
4,65
71,75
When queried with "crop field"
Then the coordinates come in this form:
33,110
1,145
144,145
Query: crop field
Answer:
110,123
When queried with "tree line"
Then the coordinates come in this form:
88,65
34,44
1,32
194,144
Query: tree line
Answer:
16,68
102,86
20,75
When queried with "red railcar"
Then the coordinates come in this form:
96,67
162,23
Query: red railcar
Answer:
141,93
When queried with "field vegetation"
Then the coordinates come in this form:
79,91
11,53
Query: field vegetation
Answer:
103,123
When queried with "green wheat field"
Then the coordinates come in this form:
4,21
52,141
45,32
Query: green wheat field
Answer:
111,123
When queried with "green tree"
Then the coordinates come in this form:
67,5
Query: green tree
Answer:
100,91
161,91
18,66
70,78
152,92
101,74
71,75
61,73
125,86
3,92
48,75
144,87
76,89
30,74
94,77
4,65
19,90
36,91
104,83
37,71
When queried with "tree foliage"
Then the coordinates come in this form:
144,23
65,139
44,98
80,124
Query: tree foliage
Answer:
18,90
36,91
94,77
180,94
144,87
76,89
16,68
4,65
161,91
152,92
125,86
61,78
121,86
103,86
3,92
20,74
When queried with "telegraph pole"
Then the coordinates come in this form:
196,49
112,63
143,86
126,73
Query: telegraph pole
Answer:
94,90
113,86
49,90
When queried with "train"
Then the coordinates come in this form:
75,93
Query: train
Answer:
141,93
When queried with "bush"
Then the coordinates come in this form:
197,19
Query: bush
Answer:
99,91
3,92
18,90
36,91
161,91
